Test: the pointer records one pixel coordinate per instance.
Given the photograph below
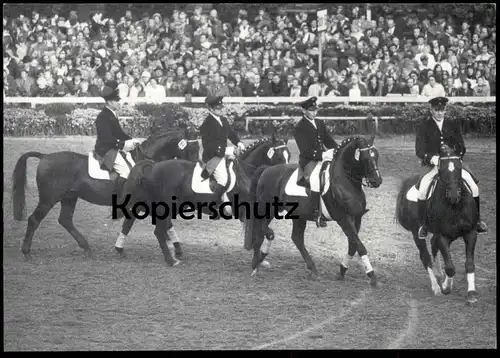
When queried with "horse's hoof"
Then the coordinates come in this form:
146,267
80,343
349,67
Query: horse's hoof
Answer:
472,297
89,255
254,273
178,255
314,276
340,277
446,290
373,279
176,262
265,264
437,290
28,257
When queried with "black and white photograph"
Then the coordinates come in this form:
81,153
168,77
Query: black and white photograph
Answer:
249,176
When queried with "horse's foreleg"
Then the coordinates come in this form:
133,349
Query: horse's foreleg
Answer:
68,206
348,225
449,267
161,235
425,257
470,268
299,227
120,242
436,259
351,251
34,221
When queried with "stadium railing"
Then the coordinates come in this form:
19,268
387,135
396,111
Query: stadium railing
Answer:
248,100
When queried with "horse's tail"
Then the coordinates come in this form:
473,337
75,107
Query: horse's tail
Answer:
401,215
251,223
135,180
19,185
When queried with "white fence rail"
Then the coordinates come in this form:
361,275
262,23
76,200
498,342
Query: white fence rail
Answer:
247,100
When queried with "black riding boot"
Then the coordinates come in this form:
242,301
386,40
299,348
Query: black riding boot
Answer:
119,192
218,191
315,203
422,231
481,225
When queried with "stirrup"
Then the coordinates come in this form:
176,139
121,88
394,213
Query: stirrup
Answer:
481,227
422,232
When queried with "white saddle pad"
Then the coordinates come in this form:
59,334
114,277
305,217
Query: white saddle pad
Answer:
292,189
95,170
412,194
202,186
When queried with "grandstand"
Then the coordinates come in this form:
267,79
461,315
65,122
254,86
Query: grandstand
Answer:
266,50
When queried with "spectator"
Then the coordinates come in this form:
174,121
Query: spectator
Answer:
482,88
154,92
466,90
25,84
433,89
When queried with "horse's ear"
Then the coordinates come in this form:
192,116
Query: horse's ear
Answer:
371,139
273,137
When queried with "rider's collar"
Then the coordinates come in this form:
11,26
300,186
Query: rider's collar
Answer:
112,111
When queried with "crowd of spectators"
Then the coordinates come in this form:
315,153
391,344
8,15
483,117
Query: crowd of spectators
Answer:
198,54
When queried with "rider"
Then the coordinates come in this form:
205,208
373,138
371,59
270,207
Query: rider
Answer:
215,131
433,133
311,137
112,141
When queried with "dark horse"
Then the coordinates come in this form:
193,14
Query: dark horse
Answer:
451,213
63,177
159,182
355,158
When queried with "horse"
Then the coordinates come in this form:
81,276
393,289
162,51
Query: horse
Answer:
159,182
450,213
343,201
64,177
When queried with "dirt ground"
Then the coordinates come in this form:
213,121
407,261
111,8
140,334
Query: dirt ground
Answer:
64,301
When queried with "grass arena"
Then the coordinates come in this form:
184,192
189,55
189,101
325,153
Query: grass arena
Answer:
64,301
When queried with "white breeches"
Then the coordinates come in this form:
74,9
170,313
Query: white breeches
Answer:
314,178
220,173
472,184
120,165
426,181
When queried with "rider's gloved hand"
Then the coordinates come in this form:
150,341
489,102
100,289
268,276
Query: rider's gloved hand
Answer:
434,160
130,144
241,146
328,155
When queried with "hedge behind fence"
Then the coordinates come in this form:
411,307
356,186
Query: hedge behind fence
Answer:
78,119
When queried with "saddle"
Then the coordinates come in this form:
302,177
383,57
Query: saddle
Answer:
203,171
101,169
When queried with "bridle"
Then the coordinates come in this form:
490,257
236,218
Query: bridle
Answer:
376,171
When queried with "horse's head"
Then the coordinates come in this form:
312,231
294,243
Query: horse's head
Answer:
267,151
450,174
360,158
164,145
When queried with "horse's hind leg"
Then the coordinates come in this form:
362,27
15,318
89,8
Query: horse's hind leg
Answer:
40,212
174,239
120,242
470,245
161,235
299,227
68,206
425,257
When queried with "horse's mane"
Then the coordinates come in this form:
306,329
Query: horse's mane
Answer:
345,143
244,154
169,134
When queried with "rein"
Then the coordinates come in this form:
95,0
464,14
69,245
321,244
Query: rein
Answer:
349,172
